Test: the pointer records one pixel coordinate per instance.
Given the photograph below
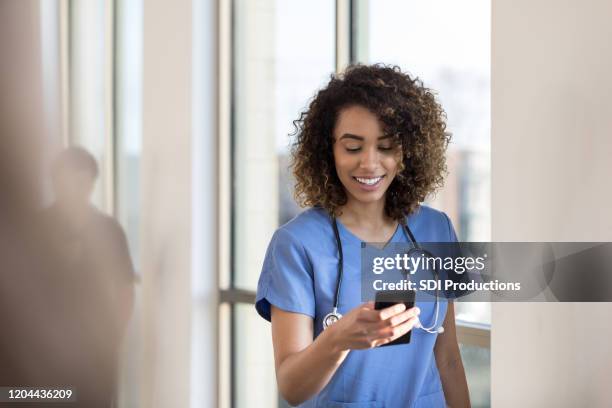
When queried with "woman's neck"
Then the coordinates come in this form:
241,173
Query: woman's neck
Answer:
369,216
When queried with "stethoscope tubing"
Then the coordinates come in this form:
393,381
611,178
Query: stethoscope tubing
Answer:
335,315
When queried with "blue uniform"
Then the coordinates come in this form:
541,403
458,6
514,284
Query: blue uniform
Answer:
299,275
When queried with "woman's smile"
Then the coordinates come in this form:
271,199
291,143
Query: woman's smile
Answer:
369,183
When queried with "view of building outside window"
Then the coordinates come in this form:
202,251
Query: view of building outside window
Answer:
279,64
128,71
91,89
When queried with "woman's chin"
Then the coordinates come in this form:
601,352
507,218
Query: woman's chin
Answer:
367,197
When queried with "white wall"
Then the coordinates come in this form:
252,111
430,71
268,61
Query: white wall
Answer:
551,167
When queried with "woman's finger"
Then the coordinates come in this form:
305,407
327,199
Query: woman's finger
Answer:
402,317
401,329
383,314
392,333
398,318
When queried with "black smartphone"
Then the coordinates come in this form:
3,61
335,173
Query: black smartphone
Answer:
386,298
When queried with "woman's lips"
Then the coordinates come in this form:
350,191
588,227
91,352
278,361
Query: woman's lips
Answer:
369,183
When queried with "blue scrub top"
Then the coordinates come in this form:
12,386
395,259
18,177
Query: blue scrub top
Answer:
299,275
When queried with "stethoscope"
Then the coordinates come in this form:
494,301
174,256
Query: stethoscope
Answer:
334,315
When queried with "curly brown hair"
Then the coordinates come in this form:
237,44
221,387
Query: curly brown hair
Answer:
406,109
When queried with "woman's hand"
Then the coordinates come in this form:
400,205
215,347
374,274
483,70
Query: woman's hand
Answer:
364,327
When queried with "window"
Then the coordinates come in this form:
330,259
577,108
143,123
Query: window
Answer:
128,120
91,89
127,151
279,61
105,115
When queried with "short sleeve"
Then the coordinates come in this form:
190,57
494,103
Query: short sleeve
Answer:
452,236
286,279
455,252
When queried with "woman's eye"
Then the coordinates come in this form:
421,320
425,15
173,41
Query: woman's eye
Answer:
385,148
352,149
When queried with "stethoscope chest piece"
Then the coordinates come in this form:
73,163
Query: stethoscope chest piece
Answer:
331,318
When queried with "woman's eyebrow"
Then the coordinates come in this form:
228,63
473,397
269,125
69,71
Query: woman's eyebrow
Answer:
356,137
351,136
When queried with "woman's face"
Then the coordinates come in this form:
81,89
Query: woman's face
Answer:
366,159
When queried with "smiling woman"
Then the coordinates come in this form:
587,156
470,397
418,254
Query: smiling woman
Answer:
369,149
396,112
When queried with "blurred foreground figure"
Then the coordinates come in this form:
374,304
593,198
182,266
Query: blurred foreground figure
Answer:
67,295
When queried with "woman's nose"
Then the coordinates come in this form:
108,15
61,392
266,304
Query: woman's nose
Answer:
369,159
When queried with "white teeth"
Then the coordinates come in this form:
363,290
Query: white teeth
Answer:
368,181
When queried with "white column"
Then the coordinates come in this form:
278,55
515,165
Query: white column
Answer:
551,121
205,221
166,202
